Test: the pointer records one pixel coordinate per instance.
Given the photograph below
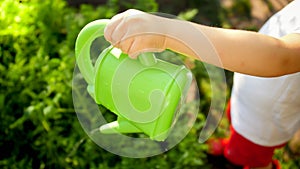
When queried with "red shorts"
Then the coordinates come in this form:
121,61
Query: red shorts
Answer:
241,151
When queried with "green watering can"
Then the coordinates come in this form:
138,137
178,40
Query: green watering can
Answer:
145,93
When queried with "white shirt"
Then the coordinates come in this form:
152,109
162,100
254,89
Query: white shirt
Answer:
267,110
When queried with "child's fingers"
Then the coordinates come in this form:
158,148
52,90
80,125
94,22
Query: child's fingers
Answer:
118,25
143,43
112,25
125,45
135,32
119,32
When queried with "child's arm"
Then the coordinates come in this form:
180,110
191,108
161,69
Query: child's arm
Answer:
236,50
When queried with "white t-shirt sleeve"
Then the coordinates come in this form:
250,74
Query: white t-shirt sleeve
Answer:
267,110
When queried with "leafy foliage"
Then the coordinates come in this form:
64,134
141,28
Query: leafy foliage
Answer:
39,128
38,123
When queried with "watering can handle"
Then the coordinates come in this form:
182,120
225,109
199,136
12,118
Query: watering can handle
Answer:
83,44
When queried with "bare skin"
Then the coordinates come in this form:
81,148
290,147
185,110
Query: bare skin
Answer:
236,50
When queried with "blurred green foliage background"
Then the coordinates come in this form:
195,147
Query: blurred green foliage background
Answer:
38,125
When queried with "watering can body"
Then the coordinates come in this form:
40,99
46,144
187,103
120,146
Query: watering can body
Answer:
145,93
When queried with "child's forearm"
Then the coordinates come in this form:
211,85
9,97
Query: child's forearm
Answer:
240,51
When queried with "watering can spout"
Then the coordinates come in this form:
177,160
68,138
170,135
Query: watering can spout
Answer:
127,127
119,127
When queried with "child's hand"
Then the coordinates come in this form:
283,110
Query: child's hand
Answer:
135,31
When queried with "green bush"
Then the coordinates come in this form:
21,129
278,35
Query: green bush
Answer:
39,128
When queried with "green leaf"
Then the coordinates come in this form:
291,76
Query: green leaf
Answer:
188,15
